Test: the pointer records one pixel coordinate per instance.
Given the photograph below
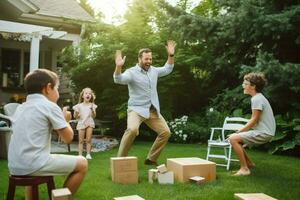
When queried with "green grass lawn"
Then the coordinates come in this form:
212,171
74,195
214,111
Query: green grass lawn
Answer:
277,176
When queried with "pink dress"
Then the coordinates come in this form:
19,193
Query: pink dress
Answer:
85,115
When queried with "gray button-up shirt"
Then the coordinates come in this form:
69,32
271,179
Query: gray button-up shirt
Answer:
142,87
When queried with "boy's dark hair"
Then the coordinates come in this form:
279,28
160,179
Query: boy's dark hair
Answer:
35,81
256,79
145,50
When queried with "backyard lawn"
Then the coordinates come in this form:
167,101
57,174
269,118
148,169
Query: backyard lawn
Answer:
277,176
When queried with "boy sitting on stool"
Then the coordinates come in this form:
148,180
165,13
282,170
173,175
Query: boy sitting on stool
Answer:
32,124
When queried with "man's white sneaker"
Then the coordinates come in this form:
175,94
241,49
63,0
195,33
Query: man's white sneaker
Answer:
88,156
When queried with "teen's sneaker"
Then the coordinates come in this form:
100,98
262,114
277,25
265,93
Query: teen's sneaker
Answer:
88,156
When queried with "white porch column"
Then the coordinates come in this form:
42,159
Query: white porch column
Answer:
54,60
22,67
34,51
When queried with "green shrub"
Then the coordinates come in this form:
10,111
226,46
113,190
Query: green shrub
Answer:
287,136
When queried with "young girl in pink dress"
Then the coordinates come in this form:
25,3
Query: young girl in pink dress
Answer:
85,112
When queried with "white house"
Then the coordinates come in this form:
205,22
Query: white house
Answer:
32,33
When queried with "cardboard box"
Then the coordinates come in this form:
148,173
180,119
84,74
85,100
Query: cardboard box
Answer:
126,177
124,170
253,196
152,175
197,179
133,197
61,194
124,164
166,178
185,168
162,168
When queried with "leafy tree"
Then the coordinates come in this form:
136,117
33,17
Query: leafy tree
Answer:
229,34
236,37
218,42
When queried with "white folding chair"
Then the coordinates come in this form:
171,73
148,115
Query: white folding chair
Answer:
5,132
218,139
9,110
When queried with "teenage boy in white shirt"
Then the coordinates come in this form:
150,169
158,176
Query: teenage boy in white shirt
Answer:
262,122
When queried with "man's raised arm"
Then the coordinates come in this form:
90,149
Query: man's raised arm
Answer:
119,77
119,62
171,51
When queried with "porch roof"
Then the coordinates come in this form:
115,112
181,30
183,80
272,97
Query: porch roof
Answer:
24,32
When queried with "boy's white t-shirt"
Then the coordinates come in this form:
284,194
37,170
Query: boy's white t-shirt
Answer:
266,123
32,125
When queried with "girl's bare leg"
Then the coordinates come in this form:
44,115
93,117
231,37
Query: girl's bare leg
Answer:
89,133
81,134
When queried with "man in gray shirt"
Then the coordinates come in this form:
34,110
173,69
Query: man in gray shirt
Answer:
262,122
143,103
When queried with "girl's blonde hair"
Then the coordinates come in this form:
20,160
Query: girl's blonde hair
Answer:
80,100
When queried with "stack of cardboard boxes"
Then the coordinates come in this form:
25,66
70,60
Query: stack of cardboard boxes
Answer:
196,168
161,174
124,170
184,169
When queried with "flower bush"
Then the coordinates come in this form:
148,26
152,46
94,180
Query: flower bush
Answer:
177,127
195,129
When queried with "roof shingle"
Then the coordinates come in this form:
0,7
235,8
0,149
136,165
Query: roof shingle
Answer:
62,8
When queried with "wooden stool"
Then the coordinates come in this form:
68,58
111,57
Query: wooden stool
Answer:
33,181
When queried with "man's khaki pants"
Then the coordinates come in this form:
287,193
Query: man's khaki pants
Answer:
156,123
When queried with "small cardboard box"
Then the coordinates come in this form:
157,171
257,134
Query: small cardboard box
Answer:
124,170
185,168
124,164
166,178
253,196
132,197
126,177
61,194
152,175
197,179
162,168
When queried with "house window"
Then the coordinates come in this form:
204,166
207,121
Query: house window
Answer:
14,66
